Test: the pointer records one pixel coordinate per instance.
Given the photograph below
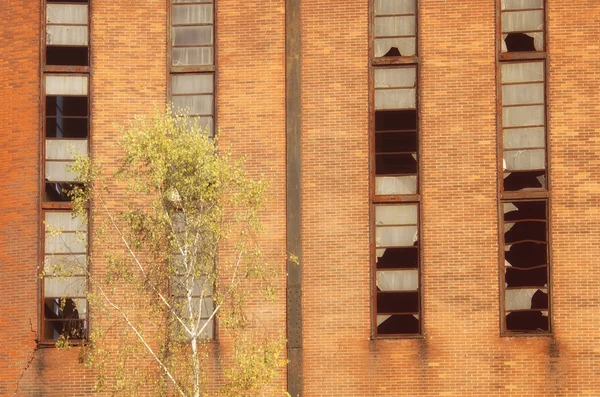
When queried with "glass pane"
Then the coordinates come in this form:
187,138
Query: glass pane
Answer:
395,26
66,243
398,324
521,4
386,7
192,35
65,149
395,47
67,14
400,98
69,286
525,159
402,214
523,116
192,14
523,94
66,221
395,77
192,84
522,21
521,138
194,104
66,85
209,331
396,185
66,35
65,265
192,56
398,280
396,236
58,171
522,72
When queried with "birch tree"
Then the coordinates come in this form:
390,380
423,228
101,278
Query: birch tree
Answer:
177,254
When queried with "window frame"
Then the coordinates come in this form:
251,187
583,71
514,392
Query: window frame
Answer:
171,71
374,199
544,194
58,206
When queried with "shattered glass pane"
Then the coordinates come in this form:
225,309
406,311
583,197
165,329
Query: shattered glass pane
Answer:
524,180
530,159
63,309
398,324
397,302
527,321
386,164
398,258
405,46
526,298
192,56
536,276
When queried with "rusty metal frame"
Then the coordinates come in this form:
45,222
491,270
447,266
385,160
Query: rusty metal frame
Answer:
522,196
395,62
171,71
45,206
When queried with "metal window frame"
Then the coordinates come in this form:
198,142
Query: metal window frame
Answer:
527,195
45,206
380,63
171,71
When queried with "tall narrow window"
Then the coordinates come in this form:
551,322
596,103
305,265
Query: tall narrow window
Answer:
192,93
394,158
65,131
524,191
192,60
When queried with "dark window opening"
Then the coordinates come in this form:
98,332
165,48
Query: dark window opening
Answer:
532,277
396,120
391,142
66,105
57,191
62,318
60,127
393,52
522,180
399,258
394,164
397,302
527,321
67,56
527,254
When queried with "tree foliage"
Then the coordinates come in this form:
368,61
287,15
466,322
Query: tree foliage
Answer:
175,247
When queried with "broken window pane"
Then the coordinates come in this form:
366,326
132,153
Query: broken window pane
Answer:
535,276
527,321
524,180
392,142
530,159
58,127
398,324
72,329
187,56
66,106
192,14
396,120
398,258
398,46
526,298
65,308
58,191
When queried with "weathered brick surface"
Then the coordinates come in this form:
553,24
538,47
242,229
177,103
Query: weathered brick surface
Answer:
461,352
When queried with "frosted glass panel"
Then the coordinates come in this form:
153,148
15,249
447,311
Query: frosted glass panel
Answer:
406,46
523,94
65,265
525,160
403,214
524,138
194,104
65,149
522,72
66,85
66,221
522,21
398,280
192,56
66,243
57,171
192,84
67,13
192,14
402,98
396,236
396,185
66,35
193,35
386,7
395,26
395,77
523,116
68,286
521,4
